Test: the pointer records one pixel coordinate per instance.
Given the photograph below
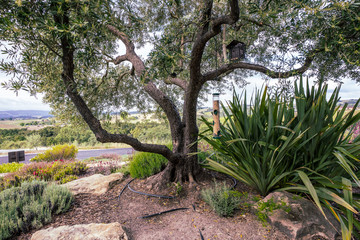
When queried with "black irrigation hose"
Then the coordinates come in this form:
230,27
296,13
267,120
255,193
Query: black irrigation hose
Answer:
162,196
235,183
148,194
202,237
234,180
156,214
125,187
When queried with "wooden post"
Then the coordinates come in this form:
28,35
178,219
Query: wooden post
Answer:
216,115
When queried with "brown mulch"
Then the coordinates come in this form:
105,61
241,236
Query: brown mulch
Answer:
183,224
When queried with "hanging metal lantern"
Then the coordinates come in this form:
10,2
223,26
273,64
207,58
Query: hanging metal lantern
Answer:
216,115
236,50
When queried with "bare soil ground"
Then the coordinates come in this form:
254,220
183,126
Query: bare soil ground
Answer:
183,224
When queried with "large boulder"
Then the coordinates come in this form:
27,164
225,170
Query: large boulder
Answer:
112,231
95,184
304,220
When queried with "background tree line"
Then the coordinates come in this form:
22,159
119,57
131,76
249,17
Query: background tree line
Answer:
148,131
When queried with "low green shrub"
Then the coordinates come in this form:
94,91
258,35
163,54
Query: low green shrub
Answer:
145,164
62,171
10,167
31,206
58,152
222,199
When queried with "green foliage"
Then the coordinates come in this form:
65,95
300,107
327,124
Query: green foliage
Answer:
253,148
145,164
62,171
68,178
58,152
150,131
221,199
10,167
15,138
34,140
114,168
330,30
264,209
70,134
179,188
30,206
125,169
270,147
13,134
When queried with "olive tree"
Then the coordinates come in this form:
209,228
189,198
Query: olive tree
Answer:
68,50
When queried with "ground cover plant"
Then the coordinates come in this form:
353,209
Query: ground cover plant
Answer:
59,170
10,167
107,163
107,167
303,147
266,208
31,205
57,152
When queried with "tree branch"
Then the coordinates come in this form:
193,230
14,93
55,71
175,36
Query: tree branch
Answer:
123,37
178,82
46,44
260,24
259,68
119,59
205,34
160,97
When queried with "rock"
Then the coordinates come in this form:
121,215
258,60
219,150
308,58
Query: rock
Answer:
95,184
304,221
93,231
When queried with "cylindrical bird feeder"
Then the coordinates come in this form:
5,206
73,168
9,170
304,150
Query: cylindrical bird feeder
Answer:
216,115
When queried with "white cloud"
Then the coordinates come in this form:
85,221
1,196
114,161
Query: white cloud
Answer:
23,101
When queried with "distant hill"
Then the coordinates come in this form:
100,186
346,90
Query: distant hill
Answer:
24,114
350,102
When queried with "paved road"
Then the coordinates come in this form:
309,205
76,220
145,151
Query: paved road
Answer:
82,154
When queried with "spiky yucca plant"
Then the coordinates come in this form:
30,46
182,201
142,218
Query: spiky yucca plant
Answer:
304,147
